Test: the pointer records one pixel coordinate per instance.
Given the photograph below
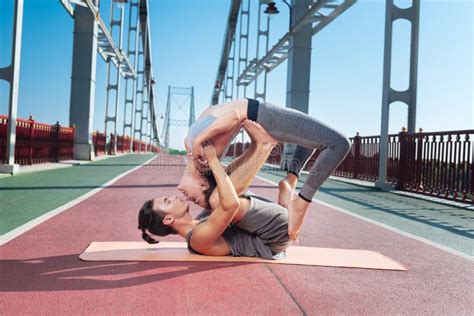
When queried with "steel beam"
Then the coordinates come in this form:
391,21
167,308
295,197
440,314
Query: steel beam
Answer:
166,126
244,29
130,82
148,69
106,46
142,89
11,74
389,95
263,31
146,110
116,85
319,14
82,102
299,70
228,37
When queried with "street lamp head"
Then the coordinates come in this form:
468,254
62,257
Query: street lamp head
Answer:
271,9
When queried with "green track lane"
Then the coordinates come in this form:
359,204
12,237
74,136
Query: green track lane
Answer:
25,197
449,226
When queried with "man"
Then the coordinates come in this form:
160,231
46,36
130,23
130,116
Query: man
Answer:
238,225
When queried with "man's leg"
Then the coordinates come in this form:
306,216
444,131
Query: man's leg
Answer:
268,221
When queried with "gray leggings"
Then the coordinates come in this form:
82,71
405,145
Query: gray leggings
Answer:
290,126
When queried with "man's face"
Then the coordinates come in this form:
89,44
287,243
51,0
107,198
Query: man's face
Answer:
171,205
193,185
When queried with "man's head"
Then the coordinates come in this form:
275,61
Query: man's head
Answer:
161,216
196,186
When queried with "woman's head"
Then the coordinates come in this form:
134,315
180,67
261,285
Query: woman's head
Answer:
196,186
159,216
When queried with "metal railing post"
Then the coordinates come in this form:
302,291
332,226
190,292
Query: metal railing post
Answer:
30,149
355,174
402,164
57,144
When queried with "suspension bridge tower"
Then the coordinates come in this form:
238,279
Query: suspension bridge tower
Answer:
179,99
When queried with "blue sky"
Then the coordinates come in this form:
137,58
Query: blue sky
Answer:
346,67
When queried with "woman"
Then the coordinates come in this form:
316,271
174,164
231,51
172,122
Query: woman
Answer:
220,123
240,226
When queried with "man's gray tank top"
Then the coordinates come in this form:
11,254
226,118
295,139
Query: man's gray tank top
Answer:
263,232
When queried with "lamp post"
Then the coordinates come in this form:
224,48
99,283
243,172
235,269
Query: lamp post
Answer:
272,9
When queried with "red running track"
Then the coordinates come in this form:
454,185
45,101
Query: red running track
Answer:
41,272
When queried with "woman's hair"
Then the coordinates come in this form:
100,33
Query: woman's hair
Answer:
212,185
151,220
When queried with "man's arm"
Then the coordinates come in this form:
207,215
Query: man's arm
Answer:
206,235
237,162
244,174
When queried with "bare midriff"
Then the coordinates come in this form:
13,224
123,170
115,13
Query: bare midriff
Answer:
221,141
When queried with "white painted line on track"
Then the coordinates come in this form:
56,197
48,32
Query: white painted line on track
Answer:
35,222
401,232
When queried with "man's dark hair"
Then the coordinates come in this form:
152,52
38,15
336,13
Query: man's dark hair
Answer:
151,220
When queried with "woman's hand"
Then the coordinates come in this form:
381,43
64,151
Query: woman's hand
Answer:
209,151
257,133
197,154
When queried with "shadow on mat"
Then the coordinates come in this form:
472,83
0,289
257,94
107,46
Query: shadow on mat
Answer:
69,273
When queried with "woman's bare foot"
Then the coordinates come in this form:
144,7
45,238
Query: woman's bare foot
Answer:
297,209
285,192
286,189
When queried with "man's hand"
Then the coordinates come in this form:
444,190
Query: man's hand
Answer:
257,133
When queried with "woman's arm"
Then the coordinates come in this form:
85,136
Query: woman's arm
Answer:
223,124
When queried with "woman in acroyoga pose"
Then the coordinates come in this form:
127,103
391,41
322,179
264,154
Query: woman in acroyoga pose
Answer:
220,123
238,225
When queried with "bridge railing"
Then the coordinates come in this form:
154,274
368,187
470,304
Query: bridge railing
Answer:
101,146
438,164
37,142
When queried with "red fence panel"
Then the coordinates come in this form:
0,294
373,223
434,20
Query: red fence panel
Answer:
66,143
45,145
439,164
99,141
37,142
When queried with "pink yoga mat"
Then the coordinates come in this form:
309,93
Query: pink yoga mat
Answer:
177,251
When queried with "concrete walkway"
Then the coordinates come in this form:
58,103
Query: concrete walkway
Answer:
41,272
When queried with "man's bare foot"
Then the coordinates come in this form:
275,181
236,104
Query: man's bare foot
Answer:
286,189
297,209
